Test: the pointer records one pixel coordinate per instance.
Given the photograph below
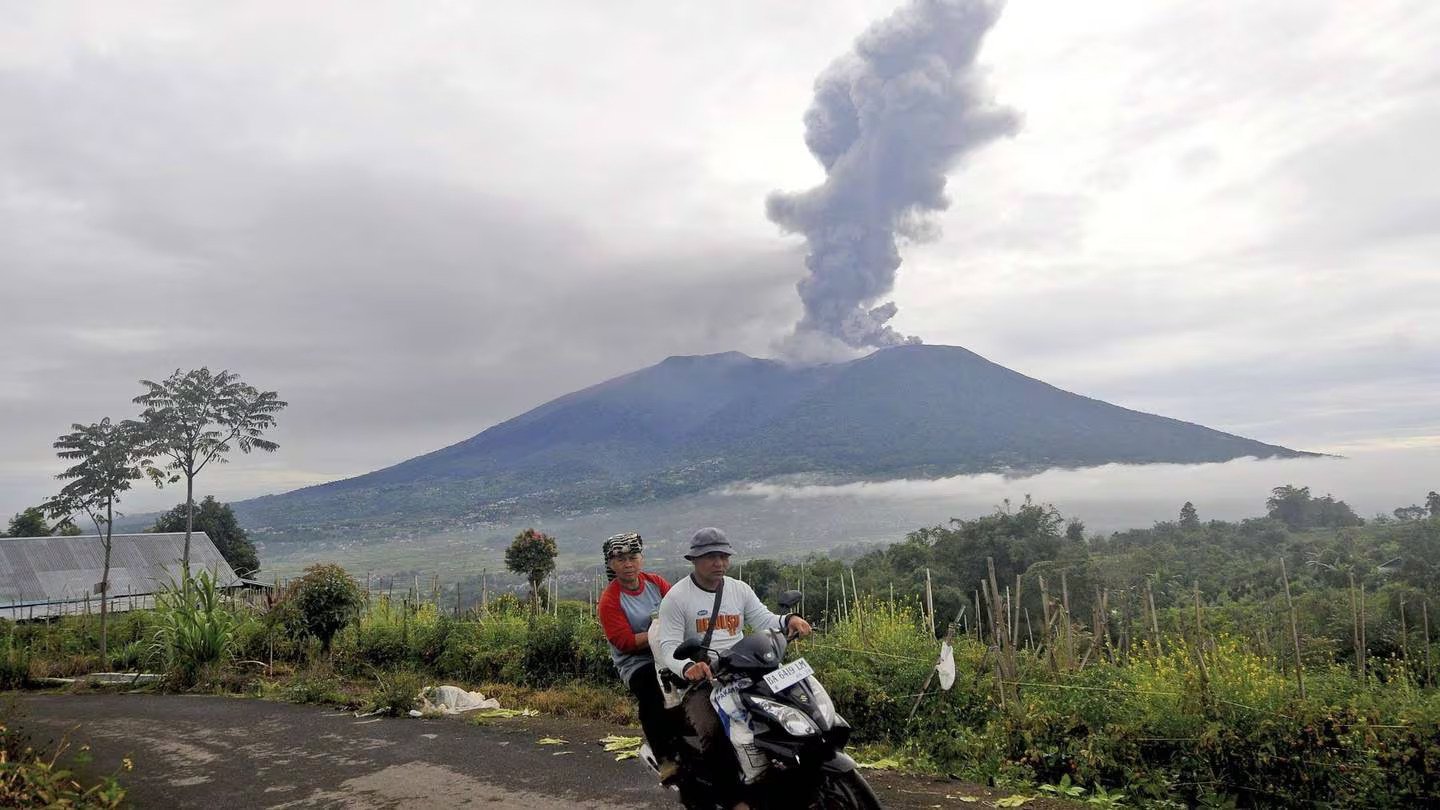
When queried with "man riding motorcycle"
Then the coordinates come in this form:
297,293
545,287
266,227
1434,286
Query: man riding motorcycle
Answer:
712,609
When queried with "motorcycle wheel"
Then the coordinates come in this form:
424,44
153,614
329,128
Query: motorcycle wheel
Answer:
845,791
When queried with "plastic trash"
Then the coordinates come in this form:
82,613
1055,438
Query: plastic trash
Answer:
945,667
453,700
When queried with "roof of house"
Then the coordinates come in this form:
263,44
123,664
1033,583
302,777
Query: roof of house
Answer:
54,569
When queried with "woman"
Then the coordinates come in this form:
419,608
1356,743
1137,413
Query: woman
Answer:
628,605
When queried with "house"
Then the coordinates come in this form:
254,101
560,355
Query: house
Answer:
1392,567
53,576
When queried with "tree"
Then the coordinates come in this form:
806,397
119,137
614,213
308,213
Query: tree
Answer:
1411,513
30,523
196,417
1294,507
1189,517
217,520
1432,502
532,554
1075,530
108,459
1289,504
325,599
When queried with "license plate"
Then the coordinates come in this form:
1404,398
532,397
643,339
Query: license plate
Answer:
789,675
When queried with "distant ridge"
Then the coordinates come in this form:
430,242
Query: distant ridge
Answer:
691,423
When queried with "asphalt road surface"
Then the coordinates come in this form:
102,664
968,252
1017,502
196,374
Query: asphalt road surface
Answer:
223,753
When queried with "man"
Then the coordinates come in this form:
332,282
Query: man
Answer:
686,614
627,607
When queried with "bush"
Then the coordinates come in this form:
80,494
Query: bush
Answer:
396,693
14,664
324,601
194,630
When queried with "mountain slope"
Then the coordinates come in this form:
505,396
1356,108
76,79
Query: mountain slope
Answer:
691,423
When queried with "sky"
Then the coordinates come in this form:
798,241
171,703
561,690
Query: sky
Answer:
415,221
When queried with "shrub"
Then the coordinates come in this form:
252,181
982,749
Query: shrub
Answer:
194,629
324,601
14,665
395,693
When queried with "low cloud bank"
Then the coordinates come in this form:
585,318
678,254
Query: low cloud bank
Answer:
1119,496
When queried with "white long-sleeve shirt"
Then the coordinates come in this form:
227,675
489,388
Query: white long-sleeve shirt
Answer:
685,614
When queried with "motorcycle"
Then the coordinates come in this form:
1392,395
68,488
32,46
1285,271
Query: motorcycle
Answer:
789,740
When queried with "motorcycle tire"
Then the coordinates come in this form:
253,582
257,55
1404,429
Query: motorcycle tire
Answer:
845,791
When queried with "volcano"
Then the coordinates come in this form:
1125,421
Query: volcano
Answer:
693,423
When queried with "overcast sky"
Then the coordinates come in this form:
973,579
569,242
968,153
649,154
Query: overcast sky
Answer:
416,220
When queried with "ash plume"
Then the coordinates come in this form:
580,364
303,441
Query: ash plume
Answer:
888,120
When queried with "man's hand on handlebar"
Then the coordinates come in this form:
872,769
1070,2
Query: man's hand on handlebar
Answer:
797,627
699,671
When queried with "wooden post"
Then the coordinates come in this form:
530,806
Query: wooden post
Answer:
1069,637
1154,621
1200,642
1364,642
1355,630
1294,630
929,604
1015,630
1029,632
979,619
1404,635
825,614
802,587
1429,670
1047,630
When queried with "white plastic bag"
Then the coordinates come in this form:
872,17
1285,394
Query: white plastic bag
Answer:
454,700
945,667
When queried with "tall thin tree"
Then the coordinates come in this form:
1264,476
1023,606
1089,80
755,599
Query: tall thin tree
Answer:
195,417
108,457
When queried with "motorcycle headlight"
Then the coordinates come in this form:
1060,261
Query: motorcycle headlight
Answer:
791,719
823,703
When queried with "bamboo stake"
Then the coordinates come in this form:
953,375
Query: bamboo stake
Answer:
1029,632
929,603
826,612
979,619
1404,635
1200,643
1294,630
1154,620
1045,635
1364,642
1355,630
1069,636
1015,631
1429,671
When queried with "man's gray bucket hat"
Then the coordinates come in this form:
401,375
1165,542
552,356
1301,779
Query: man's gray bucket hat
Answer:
708,541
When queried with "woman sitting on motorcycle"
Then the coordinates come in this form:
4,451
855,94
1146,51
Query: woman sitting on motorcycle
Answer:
626,609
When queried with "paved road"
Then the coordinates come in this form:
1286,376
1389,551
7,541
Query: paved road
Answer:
222,753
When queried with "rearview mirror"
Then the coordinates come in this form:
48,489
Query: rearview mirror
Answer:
789,599
687,651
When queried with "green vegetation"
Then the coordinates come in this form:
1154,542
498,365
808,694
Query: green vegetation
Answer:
195,631
31,777
217,521
1180,665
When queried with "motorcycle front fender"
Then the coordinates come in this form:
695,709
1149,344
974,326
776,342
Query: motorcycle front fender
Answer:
840,763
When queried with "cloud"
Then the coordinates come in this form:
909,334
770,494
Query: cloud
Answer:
1119,496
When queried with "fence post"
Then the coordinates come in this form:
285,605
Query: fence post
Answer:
929,603
1294,630
1429,672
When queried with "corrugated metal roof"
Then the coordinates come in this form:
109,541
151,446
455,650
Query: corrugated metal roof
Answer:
54,569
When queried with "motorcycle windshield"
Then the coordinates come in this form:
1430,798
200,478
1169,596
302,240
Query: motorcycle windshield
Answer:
762,651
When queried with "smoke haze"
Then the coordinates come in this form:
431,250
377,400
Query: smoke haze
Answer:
887,122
